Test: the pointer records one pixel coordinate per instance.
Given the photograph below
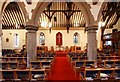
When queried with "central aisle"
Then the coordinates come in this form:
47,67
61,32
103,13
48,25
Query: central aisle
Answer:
62,69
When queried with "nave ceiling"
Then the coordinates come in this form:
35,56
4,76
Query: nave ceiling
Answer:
60,14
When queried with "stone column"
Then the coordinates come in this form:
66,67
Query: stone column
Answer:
1,35
92,43
0,44
31,43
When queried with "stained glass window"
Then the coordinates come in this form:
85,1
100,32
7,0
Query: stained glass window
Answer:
16,40
76,38
42,38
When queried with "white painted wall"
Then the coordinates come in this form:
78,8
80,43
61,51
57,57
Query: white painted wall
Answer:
10,34
50,38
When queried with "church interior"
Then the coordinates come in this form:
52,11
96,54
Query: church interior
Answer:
66,40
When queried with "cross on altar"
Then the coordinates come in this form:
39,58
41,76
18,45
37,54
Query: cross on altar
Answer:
59,37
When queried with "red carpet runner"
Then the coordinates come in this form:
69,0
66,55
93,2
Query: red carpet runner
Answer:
62,69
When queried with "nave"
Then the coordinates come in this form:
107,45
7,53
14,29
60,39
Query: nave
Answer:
61,66
60,40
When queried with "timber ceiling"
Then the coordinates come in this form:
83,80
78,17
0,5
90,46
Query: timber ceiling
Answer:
110,14
12,17
63,14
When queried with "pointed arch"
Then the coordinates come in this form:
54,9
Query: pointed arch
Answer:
100,11
83,6
37,11
85,9
21,5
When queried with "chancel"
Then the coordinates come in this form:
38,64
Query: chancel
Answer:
59,40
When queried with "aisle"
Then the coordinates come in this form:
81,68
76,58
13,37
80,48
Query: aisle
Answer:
62,69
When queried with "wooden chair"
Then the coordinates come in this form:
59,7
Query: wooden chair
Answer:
45,48
72,48
77,49
67,49
52,49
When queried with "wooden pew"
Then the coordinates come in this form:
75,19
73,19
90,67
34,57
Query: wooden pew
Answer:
13,64
117,75
74,59
44,58
79,64
82,58
117,63
107,74
22,75
35,65
98,74
4,65
109,64
92,75
7,75
37,75
41,64
89,63
103,58
45,64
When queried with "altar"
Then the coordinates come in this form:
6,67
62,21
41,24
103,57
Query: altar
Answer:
60,48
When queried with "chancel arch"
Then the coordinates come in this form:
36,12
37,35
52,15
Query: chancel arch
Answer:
63,6
55,32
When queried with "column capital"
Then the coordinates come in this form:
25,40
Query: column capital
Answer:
91,27
31,27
